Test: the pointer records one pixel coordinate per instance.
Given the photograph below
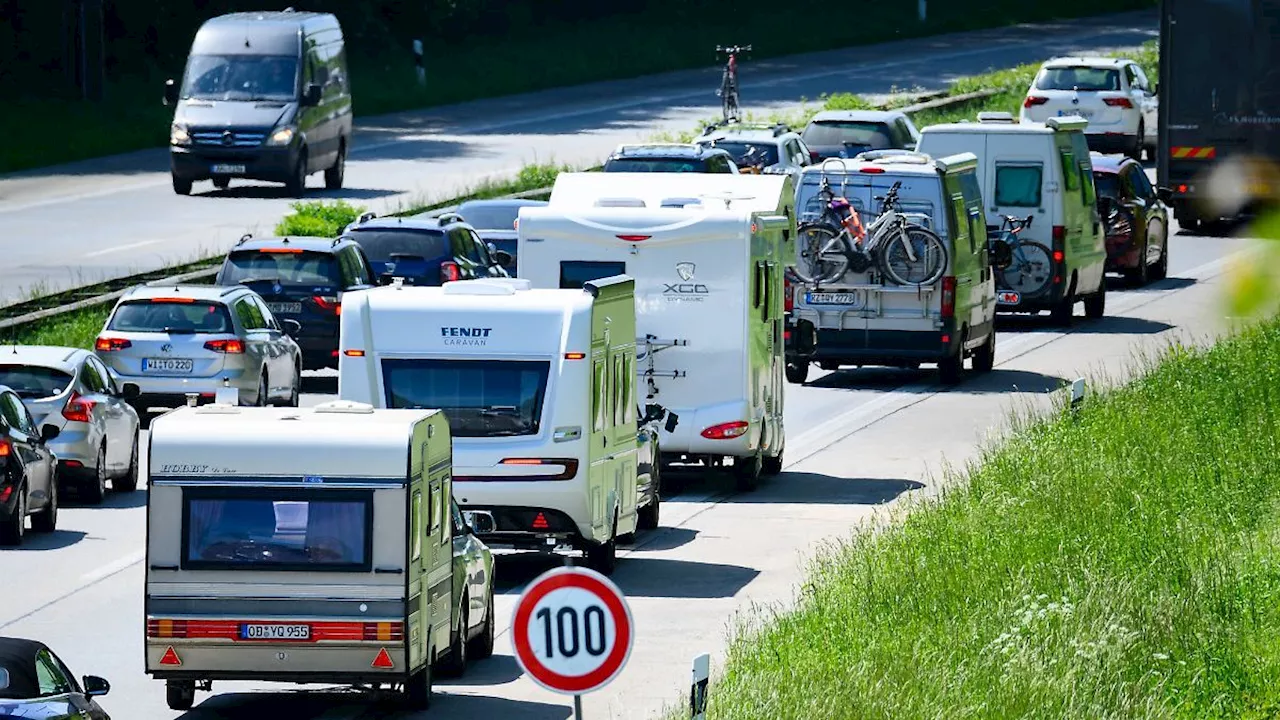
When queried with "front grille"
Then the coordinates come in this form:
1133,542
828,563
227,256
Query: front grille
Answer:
228,138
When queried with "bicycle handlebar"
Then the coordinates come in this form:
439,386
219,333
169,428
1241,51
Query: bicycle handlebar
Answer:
733,49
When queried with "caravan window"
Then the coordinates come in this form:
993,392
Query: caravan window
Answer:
1018,185
481,398
276,530
576,273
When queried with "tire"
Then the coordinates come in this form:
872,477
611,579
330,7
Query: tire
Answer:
15,526
772,464
1139,141
334,176
746,472
129,481
181,186
952,367
455,662
1141,275
929,265
984,358
180,694
1064,312
46,521
1095,305
96,492
1161,270
603,557
222,183
297,387
296,186
417,689
1032,278
482,645
263,398
829,365
649,515
812,237
797,373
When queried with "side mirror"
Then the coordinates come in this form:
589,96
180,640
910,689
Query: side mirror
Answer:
130,391
49,432
503,258
909,146
386,278
1165,194
291,327
479,522
672,421
170,92
1155,88
311,97
95,686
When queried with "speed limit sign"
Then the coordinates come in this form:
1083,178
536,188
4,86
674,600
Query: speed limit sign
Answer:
572,630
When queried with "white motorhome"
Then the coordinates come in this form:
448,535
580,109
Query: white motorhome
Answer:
708,298
298,545
540,391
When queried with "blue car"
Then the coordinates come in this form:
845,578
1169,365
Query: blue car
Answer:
428,251
495,222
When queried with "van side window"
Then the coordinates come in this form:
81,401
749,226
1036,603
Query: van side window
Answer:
629,382
415,525
973,200
1018,185
1069,175
598,395
1086,184
960,221
615,402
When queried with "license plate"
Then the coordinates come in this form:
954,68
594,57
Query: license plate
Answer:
1008,297
228,169
253,631
178,365
285,308
1086,114
821,298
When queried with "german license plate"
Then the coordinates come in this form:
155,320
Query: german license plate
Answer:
1086,114
844,298
228,169
255,631
285,308
1008,297
174,365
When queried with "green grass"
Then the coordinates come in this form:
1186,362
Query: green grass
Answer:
74,329
1121,563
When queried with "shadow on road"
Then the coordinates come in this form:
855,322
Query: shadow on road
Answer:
55,540
453,705
114,500
267,191
664,538
496,670
637,575
1173,283
789,488
925,380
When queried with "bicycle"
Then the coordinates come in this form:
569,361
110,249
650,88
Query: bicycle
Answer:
1024,266
906,252
728,92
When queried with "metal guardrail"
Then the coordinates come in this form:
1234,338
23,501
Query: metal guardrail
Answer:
34,310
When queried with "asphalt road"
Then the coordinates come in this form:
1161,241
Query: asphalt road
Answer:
81,223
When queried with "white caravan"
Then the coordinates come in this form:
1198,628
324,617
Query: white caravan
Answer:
709,308
539,388
764,193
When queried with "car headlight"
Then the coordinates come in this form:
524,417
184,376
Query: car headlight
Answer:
282,136
178,135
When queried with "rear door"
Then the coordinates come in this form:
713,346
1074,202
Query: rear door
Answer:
275,349
167,337
1021,183
257,339
108,417
302,285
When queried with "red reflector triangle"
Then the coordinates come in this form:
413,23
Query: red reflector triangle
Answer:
540,522
170,657
383,659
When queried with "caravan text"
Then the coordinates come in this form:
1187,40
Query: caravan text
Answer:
465,335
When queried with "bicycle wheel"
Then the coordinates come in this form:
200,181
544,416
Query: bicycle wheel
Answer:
930,257
820,261
1030,272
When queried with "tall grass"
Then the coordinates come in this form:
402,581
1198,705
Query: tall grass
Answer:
1120,563
74,329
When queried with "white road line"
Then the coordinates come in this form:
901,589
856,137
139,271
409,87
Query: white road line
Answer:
122,248
111,569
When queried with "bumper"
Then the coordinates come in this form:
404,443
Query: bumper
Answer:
688,439
514,527
313,662
1046,301
871,347
564,503
270,164
1122,254
319,351
1110,142
172,391
77,457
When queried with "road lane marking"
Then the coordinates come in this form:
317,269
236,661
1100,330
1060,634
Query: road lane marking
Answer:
122,248
112,568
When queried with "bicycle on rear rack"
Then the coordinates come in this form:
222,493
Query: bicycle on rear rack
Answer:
1024,266
728,92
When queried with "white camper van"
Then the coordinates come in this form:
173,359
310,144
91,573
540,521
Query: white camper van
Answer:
540,391
708,303
298,545
774,194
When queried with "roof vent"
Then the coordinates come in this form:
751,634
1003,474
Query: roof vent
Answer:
350,407
679,202
620,202
218,409
995,117
487,286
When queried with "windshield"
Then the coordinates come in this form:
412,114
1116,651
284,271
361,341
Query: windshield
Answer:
294,267
31,382
168,316
1106,185
739,149
1078,78
481,398
492,217
241,77
280,530
380,245
868,135
654,165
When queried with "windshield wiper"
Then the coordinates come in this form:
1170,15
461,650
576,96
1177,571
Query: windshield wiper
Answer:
499,410
180,331
260,280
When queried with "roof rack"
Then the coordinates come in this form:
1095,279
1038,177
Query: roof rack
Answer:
449,217
995,117
777,128
366,217
244,238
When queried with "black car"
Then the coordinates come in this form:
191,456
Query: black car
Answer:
427,251
301,279
36,685
846,133
495,223
28,472
670,157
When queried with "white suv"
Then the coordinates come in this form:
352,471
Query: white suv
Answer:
781,149
1112,94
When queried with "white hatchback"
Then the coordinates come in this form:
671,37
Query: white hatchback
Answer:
1113,94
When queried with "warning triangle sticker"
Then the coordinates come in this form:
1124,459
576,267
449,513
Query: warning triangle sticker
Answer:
170,657
383,659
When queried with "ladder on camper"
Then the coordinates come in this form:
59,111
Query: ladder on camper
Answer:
652,345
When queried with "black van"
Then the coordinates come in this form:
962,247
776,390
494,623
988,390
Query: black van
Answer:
265,96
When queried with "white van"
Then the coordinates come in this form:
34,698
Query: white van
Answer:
708,309
1042,171
540,391
298,545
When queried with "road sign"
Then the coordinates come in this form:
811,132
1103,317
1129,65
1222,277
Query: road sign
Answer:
572,630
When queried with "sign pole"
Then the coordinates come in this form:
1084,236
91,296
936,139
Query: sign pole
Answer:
577,707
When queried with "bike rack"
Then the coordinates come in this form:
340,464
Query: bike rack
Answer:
652,346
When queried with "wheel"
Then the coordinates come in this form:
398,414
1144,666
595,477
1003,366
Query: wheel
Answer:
829,365
334,176
296,186
1030,272
819,243
984,358
1141,275
297,387
1139,141
952,367
482,645
1095,305
773,464
15,527
222,183
129,481
746,471
180,694
1161,270
1062,313
46,521
417,689
181,186
649,514
797,372
930,258
603,557
455,663
262,399
96,492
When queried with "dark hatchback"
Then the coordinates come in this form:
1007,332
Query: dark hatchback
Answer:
1137,218
423,251
495,223
36,685
846,133
302,279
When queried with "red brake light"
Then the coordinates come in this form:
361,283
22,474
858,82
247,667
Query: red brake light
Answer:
1033,100
1182,188
872,170
5,493
948,296
328,302
280,250
726,431
540,522
1059,233
1118,102
815,155
5,450
1058,256
231,347
788,295
78,408
107,344
449,271
634,238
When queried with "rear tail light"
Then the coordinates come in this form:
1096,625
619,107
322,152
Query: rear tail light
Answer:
449,271
949,296
1182,189
108,344
1118,102
788,295
634,238
815,155
231,347
383,631
567,468
6,448
872,170
1034,100
78,408
540,522
328,302
166,628
5,493
726,431
1059,250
